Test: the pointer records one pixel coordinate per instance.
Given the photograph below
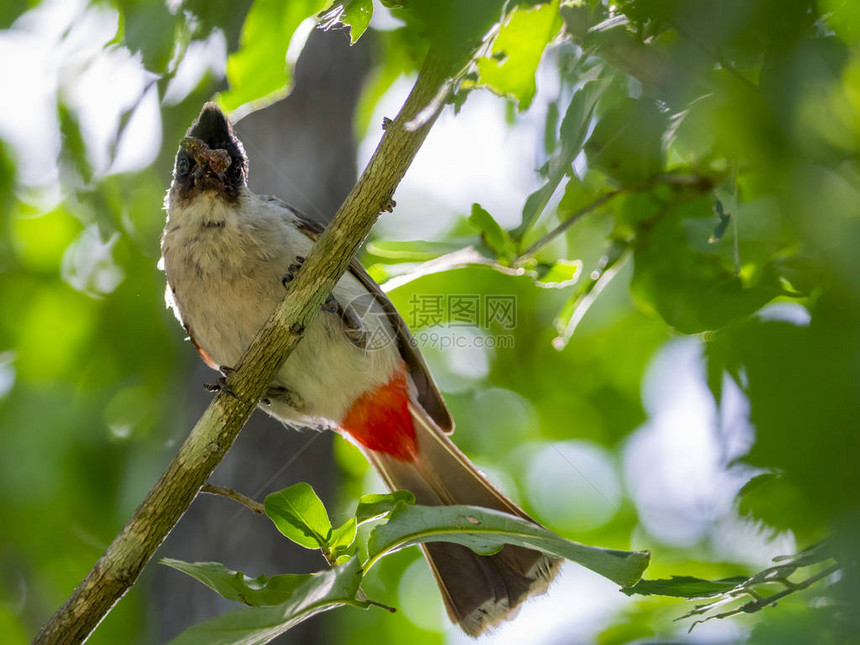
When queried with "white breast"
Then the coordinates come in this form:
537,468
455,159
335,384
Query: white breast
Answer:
224,266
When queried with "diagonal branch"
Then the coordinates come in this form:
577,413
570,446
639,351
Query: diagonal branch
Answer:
215,431
701,183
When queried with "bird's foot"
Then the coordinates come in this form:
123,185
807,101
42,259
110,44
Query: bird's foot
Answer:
221,384
389,204
292,270
330,306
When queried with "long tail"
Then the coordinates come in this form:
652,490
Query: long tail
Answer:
479,591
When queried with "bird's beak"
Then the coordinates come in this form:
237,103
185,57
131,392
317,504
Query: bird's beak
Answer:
215,161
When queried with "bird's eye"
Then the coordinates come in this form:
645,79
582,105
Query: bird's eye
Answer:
182,167
235,171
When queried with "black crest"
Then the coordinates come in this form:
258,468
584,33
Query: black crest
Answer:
214,129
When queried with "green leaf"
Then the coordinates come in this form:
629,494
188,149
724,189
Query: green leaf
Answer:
342,538
300,516
150,28
236,586
74,149
691,290
574,127
800,274
799,377
399,53
777,501
561,273
11,10
229,17
376,505
550,127
412,251
355,14
683,587
451,26
258,73
576,19
586,293
321,592
492,233
627,142
517,50
843,16
578,194
484,530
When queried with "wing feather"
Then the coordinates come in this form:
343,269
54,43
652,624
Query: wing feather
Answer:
429,395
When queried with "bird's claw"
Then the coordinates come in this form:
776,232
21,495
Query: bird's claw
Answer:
220,386
292,270
331,306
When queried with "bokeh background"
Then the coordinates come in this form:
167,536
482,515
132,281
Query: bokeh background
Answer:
638,429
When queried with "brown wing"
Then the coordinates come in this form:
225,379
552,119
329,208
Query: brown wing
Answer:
428,393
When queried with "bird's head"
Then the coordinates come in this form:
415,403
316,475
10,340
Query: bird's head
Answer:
210,158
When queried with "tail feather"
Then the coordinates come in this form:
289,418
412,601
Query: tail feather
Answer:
479,591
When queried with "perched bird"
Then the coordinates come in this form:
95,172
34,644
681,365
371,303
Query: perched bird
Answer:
228,254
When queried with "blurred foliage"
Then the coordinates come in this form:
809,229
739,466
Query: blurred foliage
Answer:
257,72
697,174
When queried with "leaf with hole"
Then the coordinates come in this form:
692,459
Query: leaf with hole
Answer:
356,14
258,72
510,68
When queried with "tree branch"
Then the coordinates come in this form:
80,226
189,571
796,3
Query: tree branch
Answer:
251,504
701,183
215,431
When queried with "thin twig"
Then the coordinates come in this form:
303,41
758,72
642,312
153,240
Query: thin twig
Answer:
694,181
363,596
251,504
566,224
760,602
468,256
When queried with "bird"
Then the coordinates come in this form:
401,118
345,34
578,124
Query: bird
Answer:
228,254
